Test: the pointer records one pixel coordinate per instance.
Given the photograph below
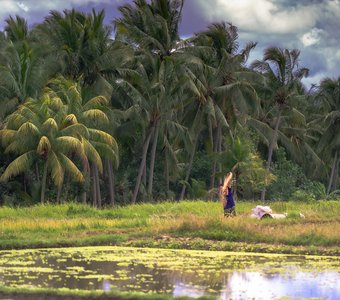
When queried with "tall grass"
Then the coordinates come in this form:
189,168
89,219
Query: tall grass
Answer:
76,224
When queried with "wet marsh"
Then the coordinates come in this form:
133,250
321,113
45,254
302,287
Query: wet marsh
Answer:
172,273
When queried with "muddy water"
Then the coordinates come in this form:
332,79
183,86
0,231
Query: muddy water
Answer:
224,275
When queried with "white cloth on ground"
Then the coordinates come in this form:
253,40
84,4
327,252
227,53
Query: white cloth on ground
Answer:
260,212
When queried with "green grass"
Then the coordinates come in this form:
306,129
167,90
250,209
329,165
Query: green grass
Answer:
186,224
46,293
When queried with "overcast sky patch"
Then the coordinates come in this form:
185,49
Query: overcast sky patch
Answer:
309,25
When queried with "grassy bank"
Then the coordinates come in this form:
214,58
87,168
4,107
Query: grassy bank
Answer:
67,294
187,224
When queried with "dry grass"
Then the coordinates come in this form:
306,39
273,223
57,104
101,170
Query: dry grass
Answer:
82,225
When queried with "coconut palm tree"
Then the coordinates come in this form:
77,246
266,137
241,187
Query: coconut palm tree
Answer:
221,83
283,74
329,144
23,69
92,114
83,47
152,30
36,136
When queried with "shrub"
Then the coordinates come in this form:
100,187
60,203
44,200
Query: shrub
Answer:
303,196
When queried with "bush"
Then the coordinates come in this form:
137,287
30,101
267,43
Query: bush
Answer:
303,196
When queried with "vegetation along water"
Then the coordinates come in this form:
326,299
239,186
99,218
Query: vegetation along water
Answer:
119,134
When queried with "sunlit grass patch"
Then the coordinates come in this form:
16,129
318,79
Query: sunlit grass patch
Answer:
77,224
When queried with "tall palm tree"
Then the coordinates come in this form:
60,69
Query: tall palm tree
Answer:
283,74
329,144
222,89
152,29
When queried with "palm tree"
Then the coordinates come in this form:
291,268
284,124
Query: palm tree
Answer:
329,93
23,69
34,134
83,47
223,94
98,143
152,29
283,75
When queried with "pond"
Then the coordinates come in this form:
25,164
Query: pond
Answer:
225,275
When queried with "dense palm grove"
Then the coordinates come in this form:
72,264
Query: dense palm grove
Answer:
131,112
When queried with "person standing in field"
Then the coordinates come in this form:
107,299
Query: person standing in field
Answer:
226,195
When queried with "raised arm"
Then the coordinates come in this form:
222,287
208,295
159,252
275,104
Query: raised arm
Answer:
227,182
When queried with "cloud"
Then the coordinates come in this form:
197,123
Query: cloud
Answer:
309,25
261,15
312,37
23,6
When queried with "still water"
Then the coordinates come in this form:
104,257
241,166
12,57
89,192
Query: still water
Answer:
225,275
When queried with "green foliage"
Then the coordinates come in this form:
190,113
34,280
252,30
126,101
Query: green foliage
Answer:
242,158
292,183
197,189
303,196
189,103
288,175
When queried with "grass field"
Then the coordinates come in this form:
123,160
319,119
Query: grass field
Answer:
187,224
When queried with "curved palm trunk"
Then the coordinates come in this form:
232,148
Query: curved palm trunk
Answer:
43,183
331,178
153,158
219,151
189,168
144,170
270,151
141,166
215,150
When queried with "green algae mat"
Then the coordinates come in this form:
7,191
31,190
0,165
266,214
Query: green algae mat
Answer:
172,273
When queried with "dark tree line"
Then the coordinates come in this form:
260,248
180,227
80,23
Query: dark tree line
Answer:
146,115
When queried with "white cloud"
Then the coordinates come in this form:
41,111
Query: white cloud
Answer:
312,37
23,6
262,15
8,7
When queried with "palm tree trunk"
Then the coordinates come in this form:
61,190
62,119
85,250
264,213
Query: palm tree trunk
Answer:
141,166
144,169
87,176
37,178
94,187
59,193
43,183
166,171
219,138
189,168
153,158
214,165
111,182
217,149
331,178
270,151
99,196
336,175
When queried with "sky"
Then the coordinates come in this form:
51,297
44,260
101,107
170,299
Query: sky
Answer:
312,26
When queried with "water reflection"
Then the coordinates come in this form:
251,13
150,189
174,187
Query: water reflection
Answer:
176,272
